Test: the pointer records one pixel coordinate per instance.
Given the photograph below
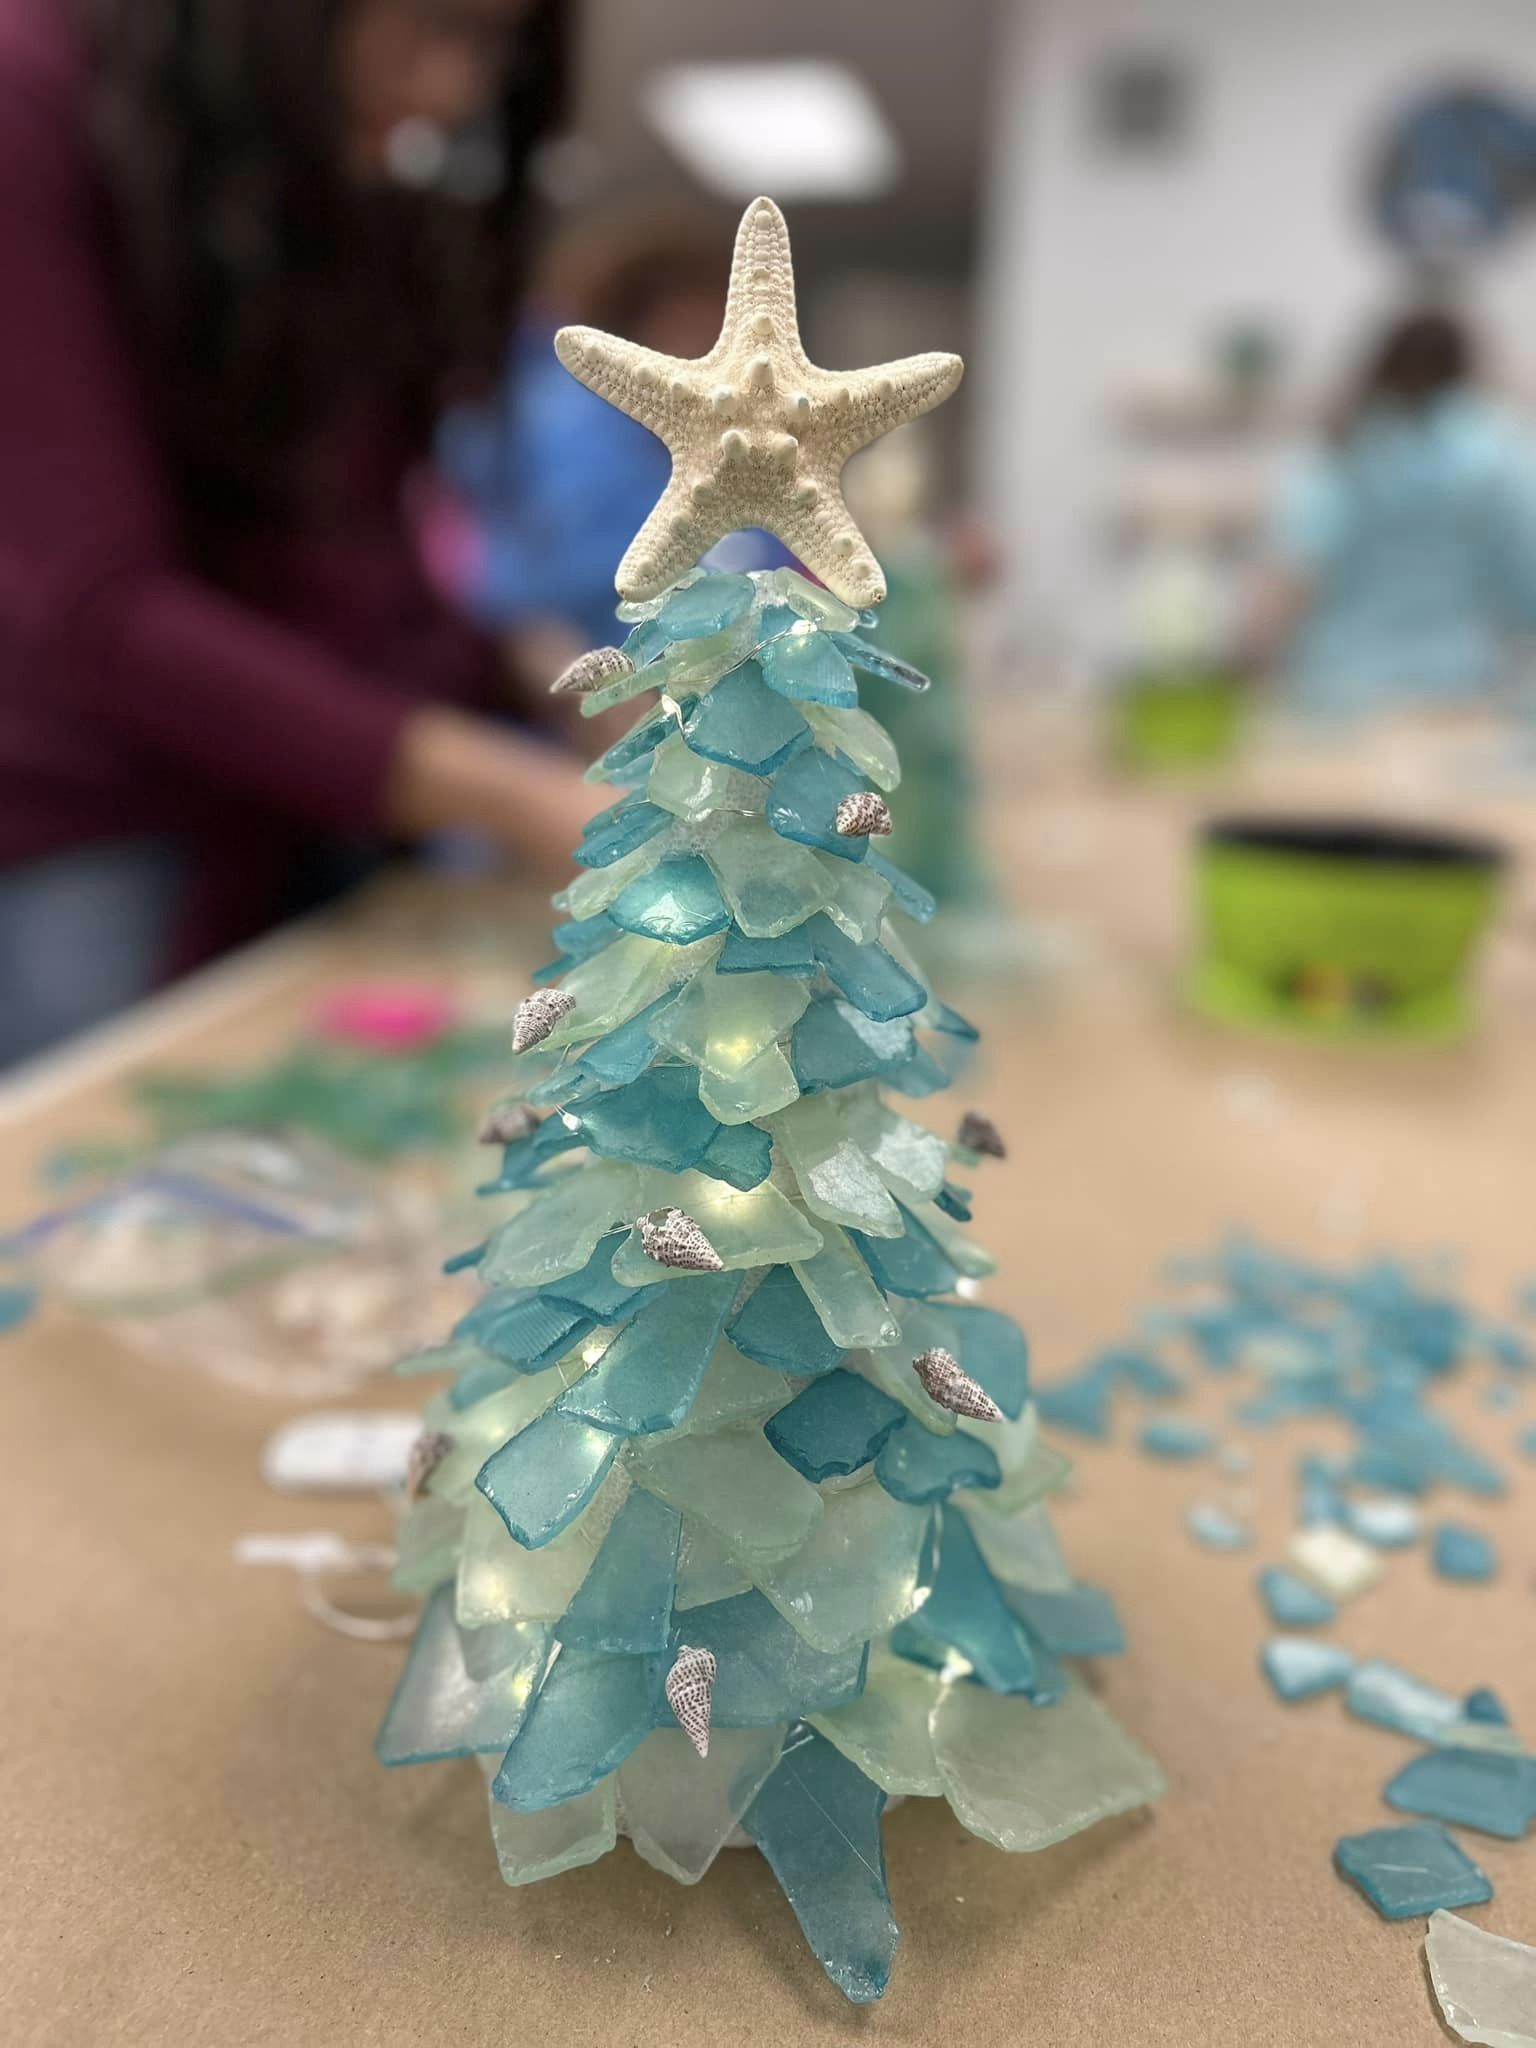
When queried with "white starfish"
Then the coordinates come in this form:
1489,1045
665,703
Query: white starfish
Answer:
758,435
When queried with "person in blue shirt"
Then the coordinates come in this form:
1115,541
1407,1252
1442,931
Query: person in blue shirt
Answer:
1403,550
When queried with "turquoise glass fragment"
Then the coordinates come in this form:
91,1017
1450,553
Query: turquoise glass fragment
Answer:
778,1327
1291,1601
587,935
809,667
677,902
624,1605
745,725
835,1044
1173,1436
768,1673
913,898
623,1055
916,1466
1081,1403
1214,1529
657,1120
833,1426
646,1380
707,605
740,1154
771,884
540,1481
618,831
802,804
439,1710
875,661
817,1820
643,739
1393,1698
1299,1666
1079,1622
912,1265
955,1201
594,1288
591,1712
644,644
871,979
1491,1790
523,1329
789,953
1461,1553
966,1615
1407,1872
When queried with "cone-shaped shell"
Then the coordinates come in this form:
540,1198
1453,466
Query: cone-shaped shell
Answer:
507,1123
945,1382
672,1238
978,1133
426,1454
690,1689
861,813
538,1014
590,671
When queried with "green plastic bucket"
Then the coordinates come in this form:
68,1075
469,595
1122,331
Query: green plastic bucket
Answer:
1168,720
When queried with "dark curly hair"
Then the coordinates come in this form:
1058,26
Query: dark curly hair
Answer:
266,286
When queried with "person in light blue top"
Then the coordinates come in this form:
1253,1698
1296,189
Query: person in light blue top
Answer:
1404,550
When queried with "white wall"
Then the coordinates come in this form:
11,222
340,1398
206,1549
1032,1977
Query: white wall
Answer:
1098,267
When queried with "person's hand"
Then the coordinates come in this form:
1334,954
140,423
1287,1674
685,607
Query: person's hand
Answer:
454,771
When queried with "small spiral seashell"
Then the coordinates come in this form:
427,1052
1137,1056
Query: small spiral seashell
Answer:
978,1133
591,671
507,1124
944,1382
861,813
538,1014
690,1688
672,1238
426,1454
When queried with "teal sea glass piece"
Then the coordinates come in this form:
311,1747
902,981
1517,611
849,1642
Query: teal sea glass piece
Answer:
1213,1528
1394,1698
624,1605
789,953
871,979
540,1481
523,1329
677,901
909,896
875,661
1080,1621
500,1580
867,1564
809,668
778,1327
647,1379
591,1712
533,1846
734,1389
657,1120
1292,1602
803,802
707,605
739,1154
817,1820
912,1265
642,739
853,1311
680,1808
966,1614
767,1673
624,1054
618,831
835,1425
1299,1667
915,1465
594,1288
1491,1790
1461,1553
1407,1872
743,724
835,1045
1175,1437
439,1710
558,1233
585,937
771,885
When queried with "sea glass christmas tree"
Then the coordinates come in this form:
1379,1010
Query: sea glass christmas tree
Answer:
732,1522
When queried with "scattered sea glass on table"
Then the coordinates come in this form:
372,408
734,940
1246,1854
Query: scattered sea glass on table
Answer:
1462,1553
1485,1984
1407,1872
1299,1666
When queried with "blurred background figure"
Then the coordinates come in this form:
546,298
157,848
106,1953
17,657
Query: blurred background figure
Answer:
248,245
1404,548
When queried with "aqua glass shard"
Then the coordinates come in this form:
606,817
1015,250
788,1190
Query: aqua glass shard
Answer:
778,1327
758,1089
1031,1468
803,803
734,1390
1406,1872
817,1820
1213,1528
501,1581
835,1178
790,953
955,1201
862,739
967,1257
885,1730
624,1054
915,1465
871,979
583,938
624,1605
1298,1666
1492,1790
1081,1622
619,830
677,902
522,1329
478,1431
1461,1553
833,1426
856,898
1176,1437
439,1710
912,1266
734,1482
706,1570
648,1377
768,1673
592,892
835,1045
875,661
853,1311
906,894
656,1121
559,1232
1485,1985
594,1288
770,884
643,738
540,1481
1023,1777
738,1153
909,1159
966,1616
1393,1698
747,1227
866,1566
688,786
532,1846
680,1808
808,667
723,1022
745,725
591,1712
707,605
427,1545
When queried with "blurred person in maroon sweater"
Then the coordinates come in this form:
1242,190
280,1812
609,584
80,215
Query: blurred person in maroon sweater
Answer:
248,247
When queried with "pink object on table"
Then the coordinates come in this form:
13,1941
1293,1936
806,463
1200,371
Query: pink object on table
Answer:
400,1017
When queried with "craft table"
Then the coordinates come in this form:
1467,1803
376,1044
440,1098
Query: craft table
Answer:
201,1848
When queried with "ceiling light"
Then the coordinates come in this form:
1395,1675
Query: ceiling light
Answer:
800,129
